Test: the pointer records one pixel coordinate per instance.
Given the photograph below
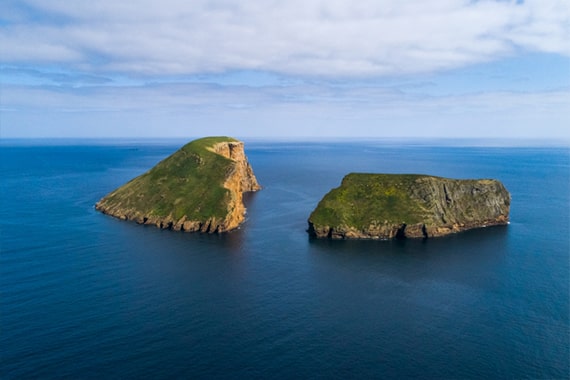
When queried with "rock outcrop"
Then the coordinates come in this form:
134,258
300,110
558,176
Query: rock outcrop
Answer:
386,206
198,188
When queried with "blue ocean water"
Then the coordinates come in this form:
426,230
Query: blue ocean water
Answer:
84,295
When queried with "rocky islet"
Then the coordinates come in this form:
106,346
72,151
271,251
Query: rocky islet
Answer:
200,188
387,206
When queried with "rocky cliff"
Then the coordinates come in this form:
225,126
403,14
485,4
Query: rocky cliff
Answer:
386,206
198,188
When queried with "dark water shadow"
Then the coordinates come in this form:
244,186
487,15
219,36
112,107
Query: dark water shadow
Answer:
249,198
472,238
454,256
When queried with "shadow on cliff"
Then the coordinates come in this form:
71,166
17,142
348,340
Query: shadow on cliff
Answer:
249,198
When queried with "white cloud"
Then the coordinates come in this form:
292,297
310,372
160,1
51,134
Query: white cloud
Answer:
300,37
296,67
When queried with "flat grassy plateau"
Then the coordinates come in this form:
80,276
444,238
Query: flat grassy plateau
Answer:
363,199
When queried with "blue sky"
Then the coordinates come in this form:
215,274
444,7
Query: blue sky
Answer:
295,69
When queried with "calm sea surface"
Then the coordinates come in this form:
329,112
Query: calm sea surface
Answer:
84,295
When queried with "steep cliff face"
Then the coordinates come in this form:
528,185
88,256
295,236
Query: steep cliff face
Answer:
198,188
386,206
239,179
234,150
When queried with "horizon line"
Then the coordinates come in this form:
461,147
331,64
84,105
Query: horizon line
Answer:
437,141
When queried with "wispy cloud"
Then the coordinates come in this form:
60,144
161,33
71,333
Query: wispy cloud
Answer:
299,37
35,76
301,110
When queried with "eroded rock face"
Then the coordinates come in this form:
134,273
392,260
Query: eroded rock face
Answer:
239,179
234,150
384,206
197,189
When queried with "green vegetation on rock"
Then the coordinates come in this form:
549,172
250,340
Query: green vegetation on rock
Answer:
189,185
359,199
407,205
